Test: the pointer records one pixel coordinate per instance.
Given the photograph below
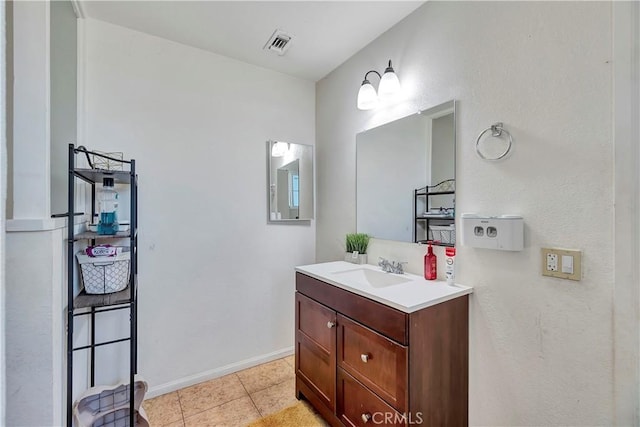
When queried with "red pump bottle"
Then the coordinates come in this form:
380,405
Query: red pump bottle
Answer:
430,264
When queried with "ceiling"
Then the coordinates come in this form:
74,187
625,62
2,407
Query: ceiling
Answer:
325,33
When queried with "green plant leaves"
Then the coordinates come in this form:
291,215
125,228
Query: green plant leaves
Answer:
357,242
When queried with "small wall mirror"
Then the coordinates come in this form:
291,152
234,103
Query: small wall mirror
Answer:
290,190
398,168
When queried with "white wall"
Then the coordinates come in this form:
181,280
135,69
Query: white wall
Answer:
35,322
541,349
30,196
63,98
216,281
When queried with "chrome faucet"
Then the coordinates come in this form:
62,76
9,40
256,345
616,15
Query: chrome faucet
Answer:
391,266
384,264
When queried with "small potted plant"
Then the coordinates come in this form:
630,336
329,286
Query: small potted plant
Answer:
356,245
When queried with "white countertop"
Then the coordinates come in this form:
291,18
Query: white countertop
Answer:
412,295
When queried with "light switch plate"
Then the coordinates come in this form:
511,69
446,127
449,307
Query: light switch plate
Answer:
567,264
561,268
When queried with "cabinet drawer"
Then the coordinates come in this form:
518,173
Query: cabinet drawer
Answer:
376,361
358,406
379,317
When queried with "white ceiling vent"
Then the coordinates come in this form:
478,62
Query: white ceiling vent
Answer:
279,42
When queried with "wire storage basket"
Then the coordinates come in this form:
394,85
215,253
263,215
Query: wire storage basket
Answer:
111,161
104,275
443,233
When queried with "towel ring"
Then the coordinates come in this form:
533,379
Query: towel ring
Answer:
497,130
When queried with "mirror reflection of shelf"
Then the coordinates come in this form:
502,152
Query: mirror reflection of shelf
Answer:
445,187
435,243
434,224
440,213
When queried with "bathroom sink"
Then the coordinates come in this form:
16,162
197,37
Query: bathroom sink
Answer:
377,279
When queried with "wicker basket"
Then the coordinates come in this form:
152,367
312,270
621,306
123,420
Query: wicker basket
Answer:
104,275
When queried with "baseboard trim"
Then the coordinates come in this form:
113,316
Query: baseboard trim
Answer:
217,372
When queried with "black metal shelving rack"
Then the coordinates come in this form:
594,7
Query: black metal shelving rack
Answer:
85,304
443,188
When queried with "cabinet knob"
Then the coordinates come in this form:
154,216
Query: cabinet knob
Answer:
331,324
364,357
366,417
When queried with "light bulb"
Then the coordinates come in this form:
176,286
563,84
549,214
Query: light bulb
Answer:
367,97
279,149
389,84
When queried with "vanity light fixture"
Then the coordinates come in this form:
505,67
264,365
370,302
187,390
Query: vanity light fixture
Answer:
279,148
388,89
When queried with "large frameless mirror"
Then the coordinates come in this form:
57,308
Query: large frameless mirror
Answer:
399,166
290,192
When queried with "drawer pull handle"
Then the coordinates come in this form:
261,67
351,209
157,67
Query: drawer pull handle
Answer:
366,417
364,357
331,324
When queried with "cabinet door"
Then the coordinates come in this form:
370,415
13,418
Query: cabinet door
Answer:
316,348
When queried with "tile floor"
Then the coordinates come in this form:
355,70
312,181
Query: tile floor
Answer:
233,400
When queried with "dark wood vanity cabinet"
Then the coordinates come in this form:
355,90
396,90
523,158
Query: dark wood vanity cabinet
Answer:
360,362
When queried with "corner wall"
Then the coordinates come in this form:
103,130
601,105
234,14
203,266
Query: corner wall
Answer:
626,129
541,349
216,282
3,201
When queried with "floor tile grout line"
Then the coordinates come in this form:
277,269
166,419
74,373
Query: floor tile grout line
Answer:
150,411
264,388
217,406
278,383
212,407
272,385
250,398
184,422
294,361
258,391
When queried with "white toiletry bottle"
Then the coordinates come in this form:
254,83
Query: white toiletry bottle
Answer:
450,256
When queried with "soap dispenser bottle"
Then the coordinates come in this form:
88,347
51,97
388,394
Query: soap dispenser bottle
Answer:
430,264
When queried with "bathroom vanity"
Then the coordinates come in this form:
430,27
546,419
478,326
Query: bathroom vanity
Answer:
381,348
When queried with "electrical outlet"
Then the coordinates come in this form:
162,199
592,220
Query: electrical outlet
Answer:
562,263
